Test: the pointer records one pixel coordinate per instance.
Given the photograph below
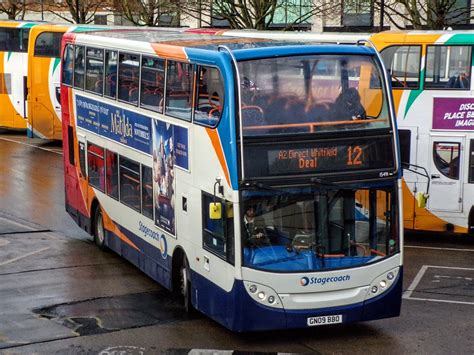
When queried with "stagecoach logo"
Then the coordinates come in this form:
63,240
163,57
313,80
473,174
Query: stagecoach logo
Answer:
305,281
120,125
161,239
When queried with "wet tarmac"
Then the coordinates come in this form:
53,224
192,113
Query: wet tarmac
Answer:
60,294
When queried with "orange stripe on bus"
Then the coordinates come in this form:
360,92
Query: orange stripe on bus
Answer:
168,51
111,226
216,143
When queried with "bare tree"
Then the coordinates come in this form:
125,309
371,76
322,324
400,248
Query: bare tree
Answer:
425,14
80,11
150,12
255,14
14,9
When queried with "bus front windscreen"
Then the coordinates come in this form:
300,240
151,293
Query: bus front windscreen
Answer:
312,93
318,228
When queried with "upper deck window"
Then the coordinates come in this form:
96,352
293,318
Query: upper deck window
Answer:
403,64
48,44
306,94
179,90
79,63
67,66
448,67
95,70
129,74
210,96
14,39
152,84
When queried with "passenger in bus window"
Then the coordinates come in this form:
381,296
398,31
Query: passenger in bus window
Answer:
459,82
348,106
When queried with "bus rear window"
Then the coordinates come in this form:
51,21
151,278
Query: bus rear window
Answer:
311,94
48,44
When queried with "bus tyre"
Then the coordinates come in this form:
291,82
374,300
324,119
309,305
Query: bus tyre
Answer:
99,231
185,285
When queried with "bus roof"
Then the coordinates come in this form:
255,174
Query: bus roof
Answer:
422,37
175,43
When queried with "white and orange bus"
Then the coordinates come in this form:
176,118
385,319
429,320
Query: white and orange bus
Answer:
14,37
432,86
254,178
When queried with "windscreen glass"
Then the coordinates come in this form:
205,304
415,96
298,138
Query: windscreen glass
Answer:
310,94
317,228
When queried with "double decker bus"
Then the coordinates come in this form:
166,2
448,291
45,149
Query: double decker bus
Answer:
14,37
258,180
431,74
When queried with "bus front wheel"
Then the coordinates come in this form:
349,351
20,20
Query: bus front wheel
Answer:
99,231
185,284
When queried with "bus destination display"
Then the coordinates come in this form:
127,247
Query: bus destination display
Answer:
319,157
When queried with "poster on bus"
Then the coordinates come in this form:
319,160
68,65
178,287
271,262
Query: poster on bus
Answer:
164,159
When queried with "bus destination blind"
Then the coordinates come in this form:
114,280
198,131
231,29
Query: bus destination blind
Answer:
319,157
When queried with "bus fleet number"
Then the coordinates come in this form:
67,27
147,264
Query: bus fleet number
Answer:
312,321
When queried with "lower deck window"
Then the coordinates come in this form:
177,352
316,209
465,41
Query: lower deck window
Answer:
96,166
111,178
130,183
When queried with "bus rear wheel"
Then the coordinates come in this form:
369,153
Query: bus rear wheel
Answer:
185,284
99,231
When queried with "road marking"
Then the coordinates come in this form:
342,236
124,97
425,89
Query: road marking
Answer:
23,256
437,248
407,294
32,145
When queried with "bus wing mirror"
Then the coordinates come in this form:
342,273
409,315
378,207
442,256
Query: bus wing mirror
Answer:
215,210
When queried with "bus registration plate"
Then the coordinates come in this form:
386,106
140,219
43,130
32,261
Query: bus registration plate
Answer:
323,320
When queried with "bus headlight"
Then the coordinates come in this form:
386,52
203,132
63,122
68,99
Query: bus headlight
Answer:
263,294
382,283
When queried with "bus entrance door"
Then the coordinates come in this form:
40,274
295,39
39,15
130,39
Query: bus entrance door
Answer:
446,173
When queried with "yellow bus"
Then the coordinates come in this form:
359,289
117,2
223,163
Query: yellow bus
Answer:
14,37
44,108
432,87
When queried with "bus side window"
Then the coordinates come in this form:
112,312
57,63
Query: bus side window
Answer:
218,235
95,70
111,174
130,183
403,65
67,66
147,192
179,89
82,159
209,96
110,85
79,67
448,67
96,166
152,84
129,72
